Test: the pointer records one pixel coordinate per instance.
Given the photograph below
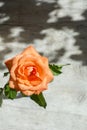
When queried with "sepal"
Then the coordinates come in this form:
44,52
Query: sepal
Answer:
39,99
9,92
5,74
56,69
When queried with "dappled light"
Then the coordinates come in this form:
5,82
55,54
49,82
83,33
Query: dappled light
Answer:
3,16
57,40
55,27
68,8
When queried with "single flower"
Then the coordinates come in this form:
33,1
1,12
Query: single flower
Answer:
29,72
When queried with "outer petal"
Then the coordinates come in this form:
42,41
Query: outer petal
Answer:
37,90
41,86
30,51
49,76
12,72
28,92
26,60
24,87
16,59
8,63
13,84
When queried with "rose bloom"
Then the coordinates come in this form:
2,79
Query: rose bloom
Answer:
29,72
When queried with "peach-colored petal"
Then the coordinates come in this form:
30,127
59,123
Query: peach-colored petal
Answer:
30,51
23,87
27,59
8,63
42,86
19,71
13,84
23,81
34,80
45,60
16,58
49,76
41,89
12,72
28,92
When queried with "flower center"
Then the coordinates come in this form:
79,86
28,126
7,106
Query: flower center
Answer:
33,72
33,75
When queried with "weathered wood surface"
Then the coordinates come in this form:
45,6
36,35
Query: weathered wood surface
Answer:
58,29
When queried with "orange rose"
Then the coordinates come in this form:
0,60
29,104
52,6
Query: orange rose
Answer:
29,72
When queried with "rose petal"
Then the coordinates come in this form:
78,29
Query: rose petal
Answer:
28,92
30,51
8,63
23,87
13,84
12,72
34,80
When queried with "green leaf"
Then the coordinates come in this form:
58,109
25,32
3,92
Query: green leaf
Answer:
39,99
9,92
5,74
1,96
56,69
